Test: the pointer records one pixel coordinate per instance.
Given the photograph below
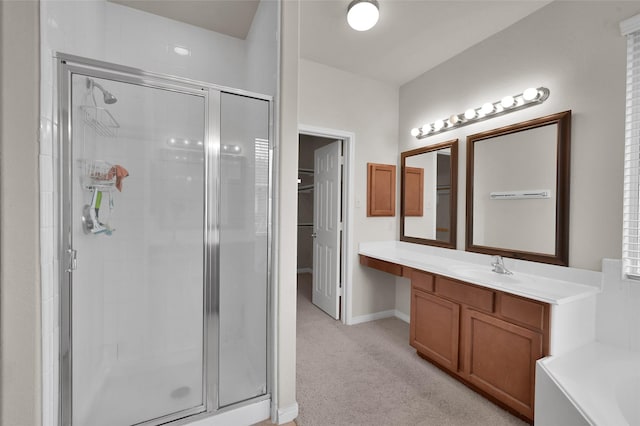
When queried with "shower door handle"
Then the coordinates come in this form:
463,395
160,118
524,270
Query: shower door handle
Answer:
314,235
73,260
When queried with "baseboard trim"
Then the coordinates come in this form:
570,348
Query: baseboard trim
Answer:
305,271
401,316
287,414
372,317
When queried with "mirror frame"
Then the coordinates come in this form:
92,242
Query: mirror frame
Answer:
453,145
561,255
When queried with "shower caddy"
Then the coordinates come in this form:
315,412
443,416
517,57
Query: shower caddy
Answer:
97,176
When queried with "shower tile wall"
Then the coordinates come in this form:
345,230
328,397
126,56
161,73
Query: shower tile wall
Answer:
113,33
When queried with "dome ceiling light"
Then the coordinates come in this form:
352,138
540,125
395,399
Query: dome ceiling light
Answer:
362,15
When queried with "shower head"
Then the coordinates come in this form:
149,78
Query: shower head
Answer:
107,96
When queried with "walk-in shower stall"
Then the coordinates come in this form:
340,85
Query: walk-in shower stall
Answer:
164,245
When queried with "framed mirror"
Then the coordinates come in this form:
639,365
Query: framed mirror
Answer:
429,191
518,190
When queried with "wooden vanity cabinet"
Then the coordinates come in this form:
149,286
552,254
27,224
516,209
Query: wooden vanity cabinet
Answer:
488,339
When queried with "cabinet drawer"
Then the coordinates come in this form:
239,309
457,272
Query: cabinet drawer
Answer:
472,296
523,311
391,268
421,280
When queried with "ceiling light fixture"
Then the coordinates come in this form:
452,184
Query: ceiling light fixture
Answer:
182,51
529,97
362,15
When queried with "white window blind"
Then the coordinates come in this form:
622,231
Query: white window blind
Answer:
631,210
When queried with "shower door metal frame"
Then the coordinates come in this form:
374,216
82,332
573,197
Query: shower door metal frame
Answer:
67,66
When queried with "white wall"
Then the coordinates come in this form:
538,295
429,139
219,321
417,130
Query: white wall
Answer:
261,60
576,50
335,99
286,156
20,307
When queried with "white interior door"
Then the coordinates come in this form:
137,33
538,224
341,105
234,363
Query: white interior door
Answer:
327,228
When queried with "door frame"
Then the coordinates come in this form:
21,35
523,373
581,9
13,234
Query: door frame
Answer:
347,202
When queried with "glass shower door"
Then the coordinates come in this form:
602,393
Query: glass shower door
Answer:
137,226
244,244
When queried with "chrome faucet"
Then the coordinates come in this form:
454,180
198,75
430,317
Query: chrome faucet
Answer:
498,266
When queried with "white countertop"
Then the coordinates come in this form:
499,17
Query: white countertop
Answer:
546,283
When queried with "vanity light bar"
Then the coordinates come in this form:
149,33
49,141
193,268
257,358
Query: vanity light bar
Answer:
526,99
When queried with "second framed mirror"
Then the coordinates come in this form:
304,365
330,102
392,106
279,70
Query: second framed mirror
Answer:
518,190
429,195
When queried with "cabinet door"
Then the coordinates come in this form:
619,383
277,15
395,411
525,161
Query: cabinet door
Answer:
499,358
381,189
434,328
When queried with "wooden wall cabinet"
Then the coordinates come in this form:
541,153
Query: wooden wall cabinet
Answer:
488,339
381,189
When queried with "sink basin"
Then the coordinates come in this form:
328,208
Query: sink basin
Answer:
487,275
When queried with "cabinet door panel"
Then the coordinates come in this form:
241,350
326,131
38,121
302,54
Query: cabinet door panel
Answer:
381,189
434,329
500,359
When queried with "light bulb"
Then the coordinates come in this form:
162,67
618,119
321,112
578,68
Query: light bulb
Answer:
470,114
487,108
507,102
438,124
454,119
415,131
362,15
530,94
426,128
182,51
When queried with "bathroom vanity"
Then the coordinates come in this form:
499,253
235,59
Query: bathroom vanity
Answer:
485,329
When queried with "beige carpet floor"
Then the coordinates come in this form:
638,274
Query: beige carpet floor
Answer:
367,374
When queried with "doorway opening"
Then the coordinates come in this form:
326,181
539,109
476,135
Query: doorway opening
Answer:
324,219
